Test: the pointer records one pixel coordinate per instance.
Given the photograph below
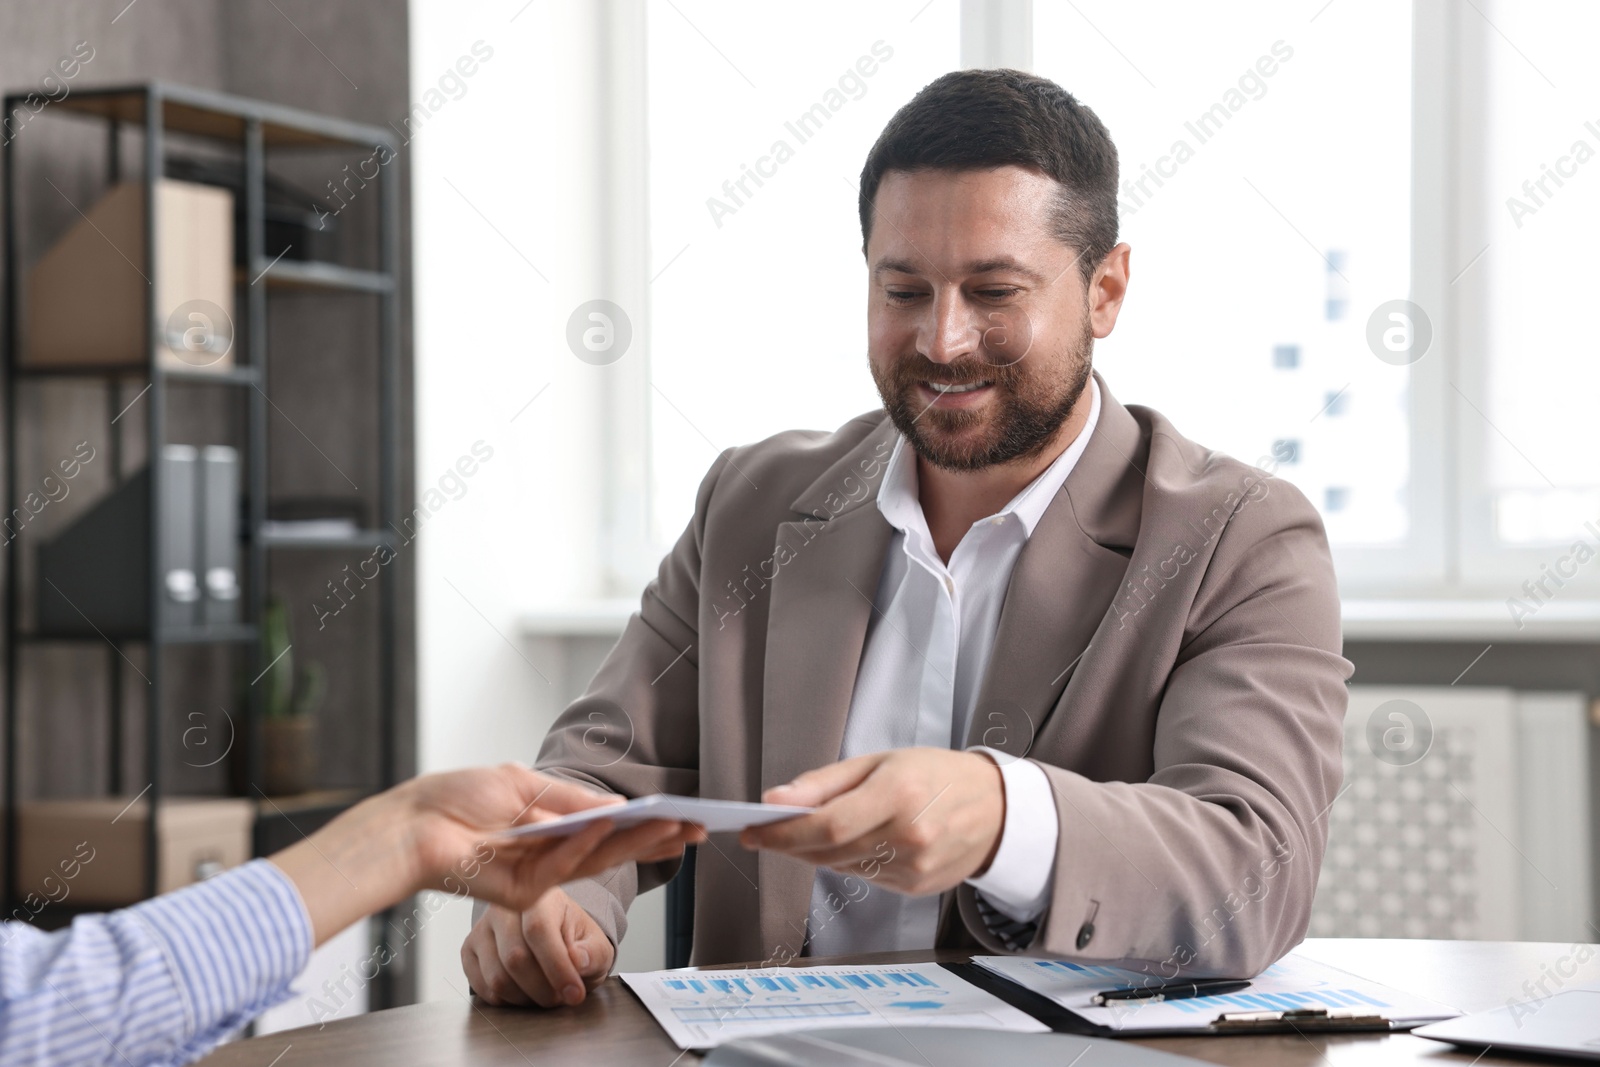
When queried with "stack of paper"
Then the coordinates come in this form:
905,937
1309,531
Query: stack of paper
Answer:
702,1009
1293,983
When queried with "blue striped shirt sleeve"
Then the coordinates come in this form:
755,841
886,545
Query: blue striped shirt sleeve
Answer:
159,983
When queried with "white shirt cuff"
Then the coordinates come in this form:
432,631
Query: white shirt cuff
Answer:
1019,881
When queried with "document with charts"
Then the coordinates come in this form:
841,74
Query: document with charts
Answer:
702,1009
1293,983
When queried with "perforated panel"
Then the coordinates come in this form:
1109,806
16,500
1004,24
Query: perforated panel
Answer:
1463,814
1402,859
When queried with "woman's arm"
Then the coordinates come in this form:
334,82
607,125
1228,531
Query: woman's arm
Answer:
163,981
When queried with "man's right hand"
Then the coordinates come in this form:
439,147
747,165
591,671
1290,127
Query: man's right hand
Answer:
551,954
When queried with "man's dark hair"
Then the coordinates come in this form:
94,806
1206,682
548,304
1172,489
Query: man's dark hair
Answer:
982,119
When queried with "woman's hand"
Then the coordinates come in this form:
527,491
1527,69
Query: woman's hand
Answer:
439,832
453,816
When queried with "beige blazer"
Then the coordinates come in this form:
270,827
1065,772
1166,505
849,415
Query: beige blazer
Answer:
1168,653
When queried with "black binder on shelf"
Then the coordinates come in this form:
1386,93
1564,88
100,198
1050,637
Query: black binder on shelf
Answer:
94,575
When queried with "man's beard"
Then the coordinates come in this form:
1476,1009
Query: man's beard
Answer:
1028,411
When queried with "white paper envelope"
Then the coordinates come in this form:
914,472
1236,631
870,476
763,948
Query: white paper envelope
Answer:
717,816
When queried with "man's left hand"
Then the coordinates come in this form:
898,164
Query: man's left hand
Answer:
915,820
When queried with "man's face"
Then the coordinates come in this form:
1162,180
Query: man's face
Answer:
978,325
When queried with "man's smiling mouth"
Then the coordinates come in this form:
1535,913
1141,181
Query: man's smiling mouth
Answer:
965,388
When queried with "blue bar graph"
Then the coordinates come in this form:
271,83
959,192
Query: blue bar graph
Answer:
1344,998
751,989
1227,1002
1112,975
758,1013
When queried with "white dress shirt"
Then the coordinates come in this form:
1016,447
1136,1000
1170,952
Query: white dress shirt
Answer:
927,647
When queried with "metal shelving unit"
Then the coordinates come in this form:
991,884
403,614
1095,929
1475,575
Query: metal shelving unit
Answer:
254,128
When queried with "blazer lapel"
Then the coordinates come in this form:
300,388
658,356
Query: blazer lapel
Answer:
1063,584
828,566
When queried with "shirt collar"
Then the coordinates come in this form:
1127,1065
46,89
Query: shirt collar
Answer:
898,494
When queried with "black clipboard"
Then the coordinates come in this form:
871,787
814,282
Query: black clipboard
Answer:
1062,1021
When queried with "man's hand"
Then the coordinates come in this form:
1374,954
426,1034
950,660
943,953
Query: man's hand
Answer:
551,954
922,820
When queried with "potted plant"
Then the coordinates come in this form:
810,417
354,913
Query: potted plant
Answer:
290,703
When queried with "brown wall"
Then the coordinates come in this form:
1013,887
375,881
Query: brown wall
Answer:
347,59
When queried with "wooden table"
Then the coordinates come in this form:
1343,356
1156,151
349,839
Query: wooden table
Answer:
611,1027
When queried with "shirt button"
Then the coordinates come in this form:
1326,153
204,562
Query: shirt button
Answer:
999,519
950,585
1085,933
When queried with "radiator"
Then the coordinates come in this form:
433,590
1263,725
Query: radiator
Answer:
1464,813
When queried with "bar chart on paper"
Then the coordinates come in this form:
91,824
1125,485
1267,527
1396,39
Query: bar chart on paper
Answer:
702,1009
1294,983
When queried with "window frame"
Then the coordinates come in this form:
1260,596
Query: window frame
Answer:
1425,564
1486,564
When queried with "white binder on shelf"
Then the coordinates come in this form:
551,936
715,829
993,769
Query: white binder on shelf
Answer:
218,507
178,582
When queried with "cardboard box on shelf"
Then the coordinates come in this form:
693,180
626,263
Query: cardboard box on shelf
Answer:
86,295
100,843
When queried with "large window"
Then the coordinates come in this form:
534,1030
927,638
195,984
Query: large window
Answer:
761,116
1539,216
1266,194
1357,231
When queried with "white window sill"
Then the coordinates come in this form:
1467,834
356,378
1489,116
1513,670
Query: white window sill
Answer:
1469,619
1437,619
585,618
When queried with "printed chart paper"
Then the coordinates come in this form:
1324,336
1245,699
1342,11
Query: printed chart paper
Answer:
1292,983
702,1009
717,816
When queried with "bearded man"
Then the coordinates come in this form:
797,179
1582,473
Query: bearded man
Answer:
1056,679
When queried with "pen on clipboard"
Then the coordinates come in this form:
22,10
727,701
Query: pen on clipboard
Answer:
1311,1019
1205,987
